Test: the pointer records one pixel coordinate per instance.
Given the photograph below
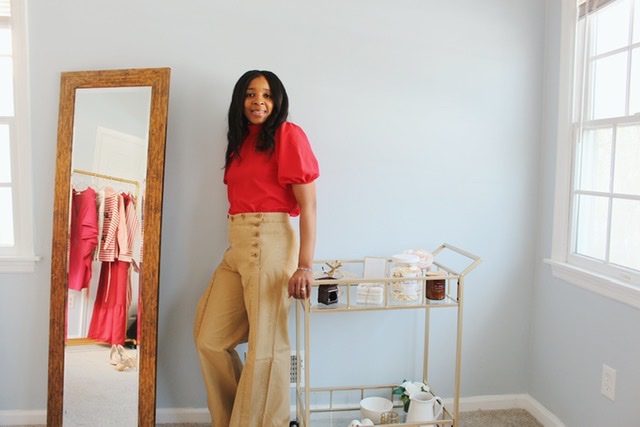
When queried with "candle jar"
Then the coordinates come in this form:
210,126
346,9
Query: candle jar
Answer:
390,417
436,288
405,268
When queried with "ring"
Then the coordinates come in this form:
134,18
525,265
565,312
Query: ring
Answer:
302,288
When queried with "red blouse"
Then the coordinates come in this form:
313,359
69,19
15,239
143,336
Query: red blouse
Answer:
261,182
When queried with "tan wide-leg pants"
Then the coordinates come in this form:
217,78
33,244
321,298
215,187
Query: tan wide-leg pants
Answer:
247,300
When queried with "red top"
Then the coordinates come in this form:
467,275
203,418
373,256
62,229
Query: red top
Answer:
261,182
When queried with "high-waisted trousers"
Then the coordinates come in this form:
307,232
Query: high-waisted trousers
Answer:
247,301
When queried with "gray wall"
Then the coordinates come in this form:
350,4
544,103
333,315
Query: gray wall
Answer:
426,118
575,331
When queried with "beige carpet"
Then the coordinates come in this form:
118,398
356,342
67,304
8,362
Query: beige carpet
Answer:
96,394
502,418
493,418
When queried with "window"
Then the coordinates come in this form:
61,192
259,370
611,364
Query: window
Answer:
16,225
597,222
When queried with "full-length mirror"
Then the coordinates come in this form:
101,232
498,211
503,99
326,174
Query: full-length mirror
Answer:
106,247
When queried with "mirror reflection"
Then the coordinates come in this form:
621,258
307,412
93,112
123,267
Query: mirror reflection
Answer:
107,216
109,168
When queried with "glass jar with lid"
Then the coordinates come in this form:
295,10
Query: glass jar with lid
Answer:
405,267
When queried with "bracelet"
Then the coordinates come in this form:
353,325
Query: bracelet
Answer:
305,269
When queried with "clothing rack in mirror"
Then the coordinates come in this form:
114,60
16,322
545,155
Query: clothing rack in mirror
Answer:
113,178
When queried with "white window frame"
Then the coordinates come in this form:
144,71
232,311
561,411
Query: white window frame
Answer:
20,257
618,286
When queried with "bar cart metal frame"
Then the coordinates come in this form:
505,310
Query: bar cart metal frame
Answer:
304,309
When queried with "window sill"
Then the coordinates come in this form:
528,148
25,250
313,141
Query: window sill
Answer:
608,287
18,264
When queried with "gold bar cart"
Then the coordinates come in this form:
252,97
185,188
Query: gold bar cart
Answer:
306,309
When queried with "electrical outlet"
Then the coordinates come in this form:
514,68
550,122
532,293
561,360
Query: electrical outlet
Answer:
71,300
608,385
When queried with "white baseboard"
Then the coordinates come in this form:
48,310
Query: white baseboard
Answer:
21,417
182,415
201,415
541,413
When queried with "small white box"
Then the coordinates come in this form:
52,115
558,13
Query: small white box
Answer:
370,293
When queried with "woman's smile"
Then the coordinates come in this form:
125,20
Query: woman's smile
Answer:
258,103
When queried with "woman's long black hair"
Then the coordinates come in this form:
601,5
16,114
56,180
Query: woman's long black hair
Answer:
238,123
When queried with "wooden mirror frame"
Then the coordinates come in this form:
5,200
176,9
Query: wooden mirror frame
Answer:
158,80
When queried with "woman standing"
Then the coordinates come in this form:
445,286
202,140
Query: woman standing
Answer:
270,173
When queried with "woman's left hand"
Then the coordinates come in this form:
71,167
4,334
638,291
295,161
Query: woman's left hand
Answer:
300,284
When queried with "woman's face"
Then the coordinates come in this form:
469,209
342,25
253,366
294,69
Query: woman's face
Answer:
258,103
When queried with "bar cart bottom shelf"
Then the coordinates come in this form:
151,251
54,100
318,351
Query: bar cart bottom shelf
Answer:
343,418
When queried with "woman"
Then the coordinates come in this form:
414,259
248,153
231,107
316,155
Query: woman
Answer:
270,171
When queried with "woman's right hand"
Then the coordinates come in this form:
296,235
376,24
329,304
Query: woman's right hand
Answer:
300,283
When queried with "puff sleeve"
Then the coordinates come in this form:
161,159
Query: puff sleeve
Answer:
297,164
